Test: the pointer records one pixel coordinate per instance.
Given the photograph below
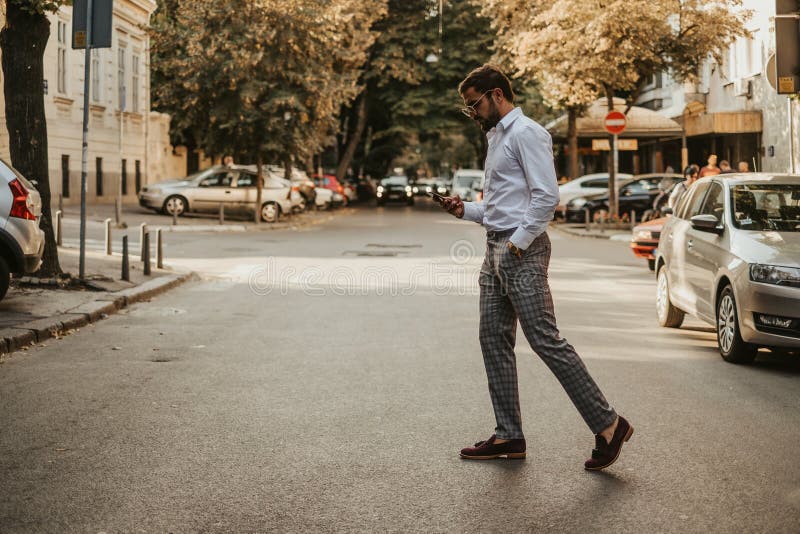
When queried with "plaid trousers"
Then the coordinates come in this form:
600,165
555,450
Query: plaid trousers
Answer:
514,288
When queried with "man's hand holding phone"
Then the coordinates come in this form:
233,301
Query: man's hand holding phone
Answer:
453,205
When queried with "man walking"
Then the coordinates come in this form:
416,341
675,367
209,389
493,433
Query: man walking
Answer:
520,196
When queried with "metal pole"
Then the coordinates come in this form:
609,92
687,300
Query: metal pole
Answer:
792,145
146,255
221,213
613,194
85,151
108,237
126,271
174,218
159,250
59,237
118,201
142,233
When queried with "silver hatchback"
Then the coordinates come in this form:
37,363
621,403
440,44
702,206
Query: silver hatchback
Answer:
730,256
21,239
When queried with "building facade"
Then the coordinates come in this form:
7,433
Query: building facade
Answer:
128,143
733,111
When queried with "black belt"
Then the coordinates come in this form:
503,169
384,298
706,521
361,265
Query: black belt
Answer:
494,234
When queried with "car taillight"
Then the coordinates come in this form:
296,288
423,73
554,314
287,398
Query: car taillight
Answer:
22,205
295,188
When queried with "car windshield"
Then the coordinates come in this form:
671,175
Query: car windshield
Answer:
766,207
395,180
466,180
201,174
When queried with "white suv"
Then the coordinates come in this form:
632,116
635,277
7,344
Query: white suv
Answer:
21,239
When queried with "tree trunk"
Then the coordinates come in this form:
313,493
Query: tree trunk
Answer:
355,138
23,40
572,142
259,187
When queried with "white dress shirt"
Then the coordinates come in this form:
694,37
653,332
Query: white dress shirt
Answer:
520,190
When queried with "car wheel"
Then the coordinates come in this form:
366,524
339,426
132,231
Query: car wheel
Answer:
270,212
651,263
5,277
668,315
175,205
731,345
302,205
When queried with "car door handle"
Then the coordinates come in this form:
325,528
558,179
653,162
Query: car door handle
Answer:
227,192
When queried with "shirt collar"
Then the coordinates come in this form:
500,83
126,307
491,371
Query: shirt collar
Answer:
510,117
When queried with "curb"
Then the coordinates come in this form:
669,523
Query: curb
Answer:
14,339
583,233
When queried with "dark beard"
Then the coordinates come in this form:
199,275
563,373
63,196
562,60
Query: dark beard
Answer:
490,122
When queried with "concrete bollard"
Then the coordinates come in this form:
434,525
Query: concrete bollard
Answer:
586,215
108,236
174,218
59,237
146,255
159,250
142,233
126,271
221,213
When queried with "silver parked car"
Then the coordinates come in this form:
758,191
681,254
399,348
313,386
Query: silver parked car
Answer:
730,255
21,239
234,187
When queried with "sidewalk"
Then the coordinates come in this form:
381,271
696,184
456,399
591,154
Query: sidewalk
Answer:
134,215
595,232
31,313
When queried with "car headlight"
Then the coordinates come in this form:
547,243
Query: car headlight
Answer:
775,274
577,203
441,190
380,189
643,235
408,189
416,190
429,189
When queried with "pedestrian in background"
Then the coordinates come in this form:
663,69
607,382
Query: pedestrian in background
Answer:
520,197
744,166
711,169
725,167
228,161
690,174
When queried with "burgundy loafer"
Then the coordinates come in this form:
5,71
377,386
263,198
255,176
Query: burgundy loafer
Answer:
489,450
605,454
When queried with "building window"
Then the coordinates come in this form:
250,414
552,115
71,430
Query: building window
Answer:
99,175
121,78
138,171
65,176
62,57
96,75
124,177
135,83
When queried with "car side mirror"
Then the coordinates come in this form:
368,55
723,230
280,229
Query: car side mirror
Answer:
706,223
666,210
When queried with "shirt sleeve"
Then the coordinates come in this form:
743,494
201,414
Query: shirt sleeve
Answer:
535,150
473,211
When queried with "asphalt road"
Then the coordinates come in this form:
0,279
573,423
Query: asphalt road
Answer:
324,379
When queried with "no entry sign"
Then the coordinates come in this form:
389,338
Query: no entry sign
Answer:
615,122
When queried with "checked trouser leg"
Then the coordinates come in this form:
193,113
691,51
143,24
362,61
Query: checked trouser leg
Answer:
517,289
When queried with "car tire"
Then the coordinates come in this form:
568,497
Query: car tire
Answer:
174,204
5,277
270,212
732,347
651,264
668,315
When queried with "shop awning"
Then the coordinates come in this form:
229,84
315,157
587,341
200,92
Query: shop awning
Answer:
642,122
697,122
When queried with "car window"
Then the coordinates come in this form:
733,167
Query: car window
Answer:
714,204
220,179
695,201
600,182
765,206
636,188
246,180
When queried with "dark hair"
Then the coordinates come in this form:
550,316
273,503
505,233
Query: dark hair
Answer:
486,78
690,170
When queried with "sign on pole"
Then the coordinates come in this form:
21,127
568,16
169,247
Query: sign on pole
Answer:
101,23
615,122
622,144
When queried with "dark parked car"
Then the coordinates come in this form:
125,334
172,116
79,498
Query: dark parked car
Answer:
395,188
636,194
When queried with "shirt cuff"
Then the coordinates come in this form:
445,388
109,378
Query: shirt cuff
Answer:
473,213
523,239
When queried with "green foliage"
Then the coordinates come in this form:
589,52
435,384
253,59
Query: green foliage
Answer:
39,7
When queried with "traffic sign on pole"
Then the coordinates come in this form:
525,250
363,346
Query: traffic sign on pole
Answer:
615,122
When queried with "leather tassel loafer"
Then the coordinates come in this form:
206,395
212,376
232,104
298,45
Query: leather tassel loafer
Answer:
605,454
489,450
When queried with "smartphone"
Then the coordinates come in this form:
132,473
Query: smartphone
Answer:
435,196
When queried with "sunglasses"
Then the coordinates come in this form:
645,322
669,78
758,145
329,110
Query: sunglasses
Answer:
470,110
